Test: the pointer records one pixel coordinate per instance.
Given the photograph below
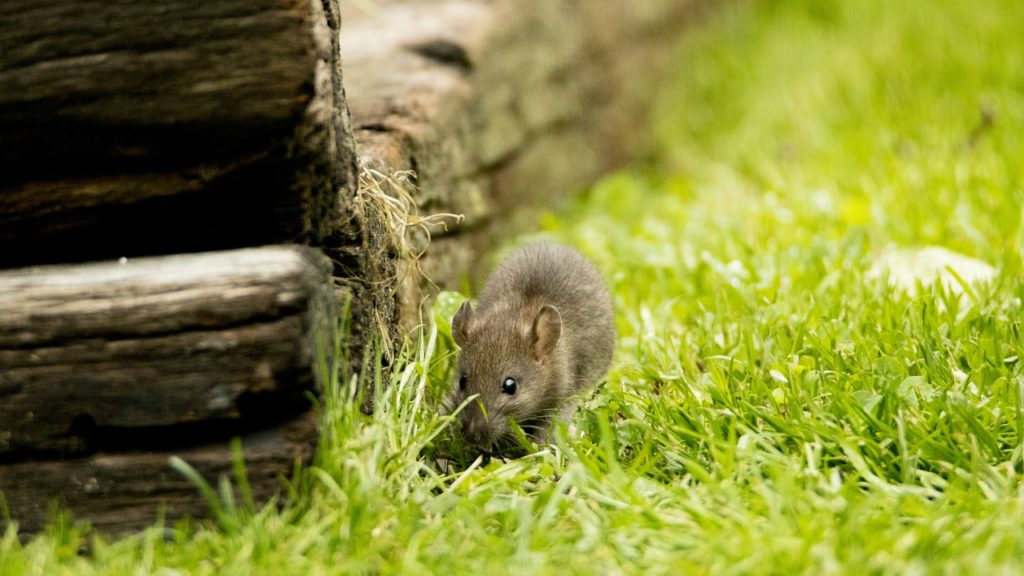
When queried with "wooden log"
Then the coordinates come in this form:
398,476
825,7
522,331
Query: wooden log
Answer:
91,353
136,128
502,109
118,492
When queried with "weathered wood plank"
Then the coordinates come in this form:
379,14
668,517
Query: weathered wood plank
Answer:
123,123
106,68
157,342
127,491
501,108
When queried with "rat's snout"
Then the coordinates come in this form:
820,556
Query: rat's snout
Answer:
476,432
476,428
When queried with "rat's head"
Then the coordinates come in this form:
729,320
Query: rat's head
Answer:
509,359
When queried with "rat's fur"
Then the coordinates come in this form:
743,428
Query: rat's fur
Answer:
545,319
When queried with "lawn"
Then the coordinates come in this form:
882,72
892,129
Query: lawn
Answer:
773,406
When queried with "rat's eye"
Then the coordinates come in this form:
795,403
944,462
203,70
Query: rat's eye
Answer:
462,382
509,386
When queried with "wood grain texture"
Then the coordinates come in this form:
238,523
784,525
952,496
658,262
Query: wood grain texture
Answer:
154,343
123,123
118,492
121,76
502,108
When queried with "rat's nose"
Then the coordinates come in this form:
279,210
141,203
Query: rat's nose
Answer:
477,434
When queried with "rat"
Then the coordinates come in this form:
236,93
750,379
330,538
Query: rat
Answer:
542,332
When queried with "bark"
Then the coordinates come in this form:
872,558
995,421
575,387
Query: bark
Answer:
119,492
156,350
502,109
139,128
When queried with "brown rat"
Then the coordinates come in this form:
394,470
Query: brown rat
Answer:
542,332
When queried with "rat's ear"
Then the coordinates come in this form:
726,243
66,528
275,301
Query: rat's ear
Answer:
545,331
460,324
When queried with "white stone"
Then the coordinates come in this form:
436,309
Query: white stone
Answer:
905,268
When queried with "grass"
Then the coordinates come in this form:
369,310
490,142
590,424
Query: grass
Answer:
771,408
